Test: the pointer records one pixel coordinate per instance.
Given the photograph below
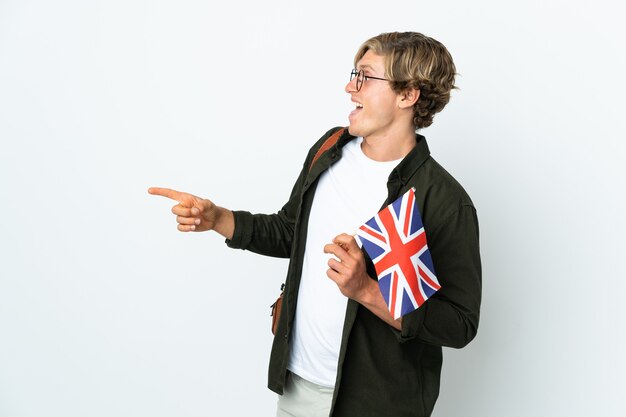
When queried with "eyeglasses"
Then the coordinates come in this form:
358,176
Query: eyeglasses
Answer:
361,78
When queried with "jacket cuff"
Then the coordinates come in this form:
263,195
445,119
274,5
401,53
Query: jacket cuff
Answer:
242,235
411,324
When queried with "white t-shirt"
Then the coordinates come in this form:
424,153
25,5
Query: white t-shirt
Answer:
350,192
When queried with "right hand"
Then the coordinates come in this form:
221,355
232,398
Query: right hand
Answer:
193,214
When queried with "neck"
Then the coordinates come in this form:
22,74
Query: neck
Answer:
390,146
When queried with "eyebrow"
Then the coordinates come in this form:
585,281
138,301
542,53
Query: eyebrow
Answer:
369,69
366,66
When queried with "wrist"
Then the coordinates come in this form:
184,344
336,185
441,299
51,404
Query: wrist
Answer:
224,222
373,300
371,293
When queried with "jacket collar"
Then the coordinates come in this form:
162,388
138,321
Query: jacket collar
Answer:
409,164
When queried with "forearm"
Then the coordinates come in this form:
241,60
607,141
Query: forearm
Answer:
440,323
373,300
450,317
224,222
265,234
444,324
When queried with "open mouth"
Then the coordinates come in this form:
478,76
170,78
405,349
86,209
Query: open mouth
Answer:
357,108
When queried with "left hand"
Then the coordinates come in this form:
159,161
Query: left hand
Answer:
349,273
348,270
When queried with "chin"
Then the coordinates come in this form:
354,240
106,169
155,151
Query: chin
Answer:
354,131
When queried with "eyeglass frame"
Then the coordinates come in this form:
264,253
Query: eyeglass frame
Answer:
361,78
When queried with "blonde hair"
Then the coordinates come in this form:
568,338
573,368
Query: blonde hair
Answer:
417,61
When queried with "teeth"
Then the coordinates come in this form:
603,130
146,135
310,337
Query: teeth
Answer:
359,105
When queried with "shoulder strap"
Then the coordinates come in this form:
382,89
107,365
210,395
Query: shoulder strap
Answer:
329,143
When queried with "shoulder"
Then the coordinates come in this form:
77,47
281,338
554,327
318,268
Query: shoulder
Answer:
327,141
440,193
441,179
325,137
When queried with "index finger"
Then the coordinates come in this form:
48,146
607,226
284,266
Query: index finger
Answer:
347,241
166,192
337,250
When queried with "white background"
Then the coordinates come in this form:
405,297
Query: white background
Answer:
107,310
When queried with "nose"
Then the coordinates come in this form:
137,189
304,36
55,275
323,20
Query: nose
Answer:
351,86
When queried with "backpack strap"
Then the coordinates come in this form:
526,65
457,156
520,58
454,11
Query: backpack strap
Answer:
329,143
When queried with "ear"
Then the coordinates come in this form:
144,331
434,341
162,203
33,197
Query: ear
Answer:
408,98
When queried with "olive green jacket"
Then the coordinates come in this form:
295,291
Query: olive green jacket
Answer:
382,371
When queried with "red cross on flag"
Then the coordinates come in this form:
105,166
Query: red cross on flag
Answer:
396,242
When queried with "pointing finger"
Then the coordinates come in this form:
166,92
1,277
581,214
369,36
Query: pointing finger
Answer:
166,192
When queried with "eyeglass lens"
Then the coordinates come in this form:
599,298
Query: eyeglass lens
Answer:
359,78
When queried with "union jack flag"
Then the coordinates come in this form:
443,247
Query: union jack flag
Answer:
396,242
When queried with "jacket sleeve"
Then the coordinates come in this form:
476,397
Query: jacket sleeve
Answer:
450,317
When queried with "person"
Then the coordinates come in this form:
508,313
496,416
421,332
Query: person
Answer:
337,349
